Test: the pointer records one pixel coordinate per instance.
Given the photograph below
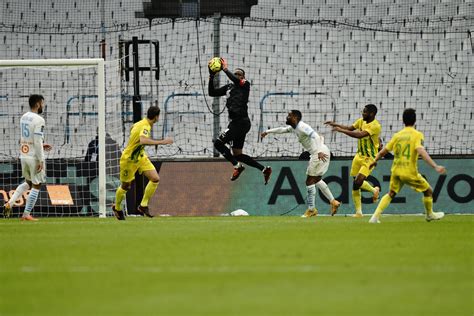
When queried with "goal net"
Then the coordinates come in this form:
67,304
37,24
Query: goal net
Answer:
327,60
83,115
327,69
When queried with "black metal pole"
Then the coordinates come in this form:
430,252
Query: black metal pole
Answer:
137,115
137,106
216,102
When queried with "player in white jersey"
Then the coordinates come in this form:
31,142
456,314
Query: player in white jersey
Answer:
318,164
32,157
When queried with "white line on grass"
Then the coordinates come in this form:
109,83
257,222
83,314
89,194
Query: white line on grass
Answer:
231,269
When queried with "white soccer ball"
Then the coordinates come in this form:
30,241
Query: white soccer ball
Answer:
239,212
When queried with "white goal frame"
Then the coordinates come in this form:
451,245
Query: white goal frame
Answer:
100,64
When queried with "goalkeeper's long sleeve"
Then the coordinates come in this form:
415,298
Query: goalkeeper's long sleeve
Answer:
216,92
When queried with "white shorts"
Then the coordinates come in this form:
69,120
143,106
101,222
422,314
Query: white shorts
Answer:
28,169
316,167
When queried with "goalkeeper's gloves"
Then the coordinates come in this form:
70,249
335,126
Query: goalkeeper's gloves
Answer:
224,64
211,73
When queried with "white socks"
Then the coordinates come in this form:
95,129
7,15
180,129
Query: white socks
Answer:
31,201
311,190
325,189
22,188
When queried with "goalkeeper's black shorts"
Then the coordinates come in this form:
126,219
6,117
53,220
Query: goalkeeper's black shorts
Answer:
235,133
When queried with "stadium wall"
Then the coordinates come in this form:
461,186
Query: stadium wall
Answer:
203,188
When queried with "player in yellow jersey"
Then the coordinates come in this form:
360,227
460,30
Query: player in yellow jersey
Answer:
367,130
407,144
134,159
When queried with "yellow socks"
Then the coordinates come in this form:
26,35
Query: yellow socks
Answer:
367,187
356,198
149,190
121,193
384,202
428,202
119,196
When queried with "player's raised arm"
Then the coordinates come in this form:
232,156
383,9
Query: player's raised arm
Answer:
216,92
344,127
277,130
236,80
212,90
351,133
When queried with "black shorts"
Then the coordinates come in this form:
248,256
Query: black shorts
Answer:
235,133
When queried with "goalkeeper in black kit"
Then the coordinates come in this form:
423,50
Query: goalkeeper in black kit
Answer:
237,94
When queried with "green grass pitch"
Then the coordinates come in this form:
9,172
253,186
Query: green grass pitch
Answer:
237,266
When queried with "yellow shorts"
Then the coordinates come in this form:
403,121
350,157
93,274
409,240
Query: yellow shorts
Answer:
360,164
416,182
128,168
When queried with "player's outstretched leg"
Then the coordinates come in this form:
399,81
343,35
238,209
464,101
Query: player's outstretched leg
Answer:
323,187
7,207
374,190
225,151
246,159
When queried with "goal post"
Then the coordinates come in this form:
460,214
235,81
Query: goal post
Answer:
37,87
